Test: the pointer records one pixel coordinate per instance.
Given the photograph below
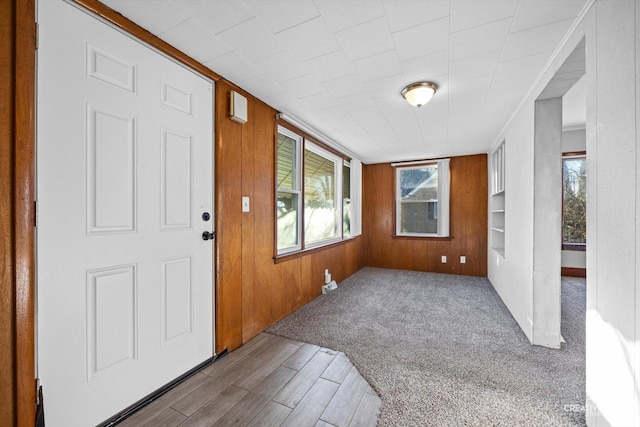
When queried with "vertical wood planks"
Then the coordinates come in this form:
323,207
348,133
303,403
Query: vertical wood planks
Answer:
249,222
7,260
468,218
17,161
228,173
252,291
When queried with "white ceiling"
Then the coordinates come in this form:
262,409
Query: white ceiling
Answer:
339,66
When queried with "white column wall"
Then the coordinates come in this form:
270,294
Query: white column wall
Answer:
547,221
613,315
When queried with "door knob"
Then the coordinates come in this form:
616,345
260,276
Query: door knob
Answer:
206,235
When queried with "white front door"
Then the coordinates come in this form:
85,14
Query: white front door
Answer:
124,177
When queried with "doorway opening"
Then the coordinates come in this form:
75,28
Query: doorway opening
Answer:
548,207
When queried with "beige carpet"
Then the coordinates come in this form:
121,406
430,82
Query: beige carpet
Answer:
442,350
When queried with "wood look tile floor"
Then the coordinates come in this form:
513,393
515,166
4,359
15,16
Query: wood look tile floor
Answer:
270,381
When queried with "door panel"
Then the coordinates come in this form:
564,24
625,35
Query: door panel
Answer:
124,174
111,170
177,178
177,299
111,319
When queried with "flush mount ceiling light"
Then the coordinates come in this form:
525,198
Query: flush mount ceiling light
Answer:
419,93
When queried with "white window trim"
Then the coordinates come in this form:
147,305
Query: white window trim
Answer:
337,191
347,164
356,198
297,190
356,195
443,199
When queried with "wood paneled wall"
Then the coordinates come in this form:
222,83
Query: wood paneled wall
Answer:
17,212
7,260
468,222
252,291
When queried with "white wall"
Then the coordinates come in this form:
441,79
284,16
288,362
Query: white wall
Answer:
612,32
513,275
573,141
613,224
547,220
574,259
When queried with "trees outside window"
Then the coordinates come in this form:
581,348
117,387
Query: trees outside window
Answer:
574,215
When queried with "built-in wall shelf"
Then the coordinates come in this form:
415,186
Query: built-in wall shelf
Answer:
498,205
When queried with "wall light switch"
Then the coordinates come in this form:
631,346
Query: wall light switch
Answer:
245,204
463,259
444,259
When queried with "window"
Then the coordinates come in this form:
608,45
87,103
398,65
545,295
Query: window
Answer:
289,194
314,195
321,200
574,202
422,200
346,199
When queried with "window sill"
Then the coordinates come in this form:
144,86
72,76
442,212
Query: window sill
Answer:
436,238
579,247
297,254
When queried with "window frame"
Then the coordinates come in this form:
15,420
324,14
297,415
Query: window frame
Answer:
346,164
579,247
306,142
297,160
337,191
444,188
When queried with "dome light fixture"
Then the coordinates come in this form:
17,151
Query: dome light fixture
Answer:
419,93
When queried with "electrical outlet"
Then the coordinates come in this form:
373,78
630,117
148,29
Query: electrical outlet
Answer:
463,259
444,259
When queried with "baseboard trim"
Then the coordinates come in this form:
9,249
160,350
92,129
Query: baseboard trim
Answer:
573,272
129,411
